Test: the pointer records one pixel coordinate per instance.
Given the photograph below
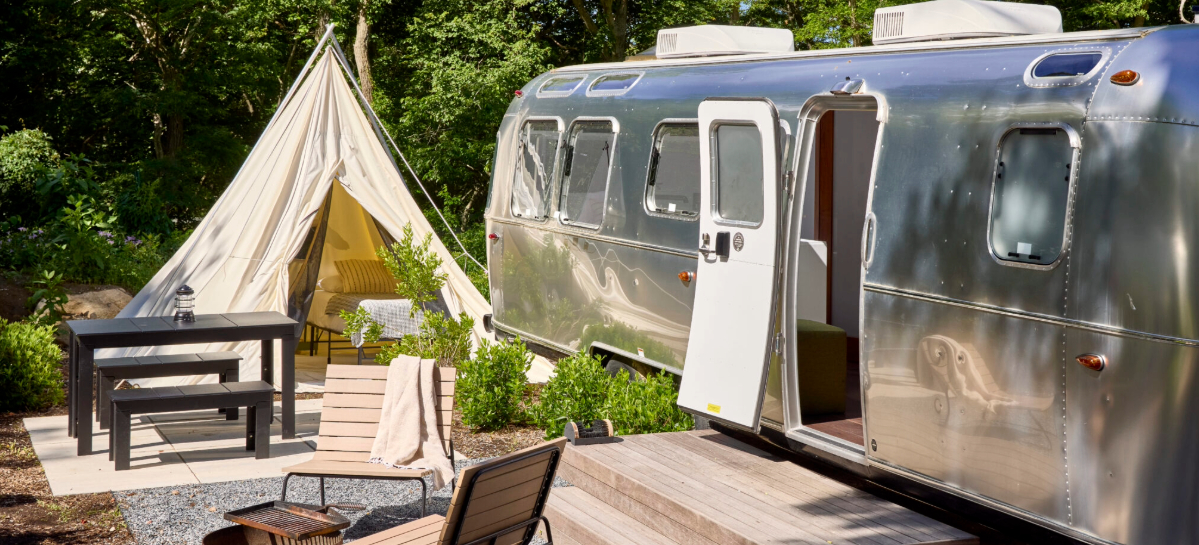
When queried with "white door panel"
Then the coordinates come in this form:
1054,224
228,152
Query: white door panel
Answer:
729,347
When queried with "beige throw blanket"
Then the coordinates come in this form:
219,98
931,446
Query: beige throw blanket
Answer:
407,436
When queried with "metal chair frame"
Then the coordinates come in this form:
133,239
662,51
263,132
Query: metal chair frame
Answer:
424,487
538,509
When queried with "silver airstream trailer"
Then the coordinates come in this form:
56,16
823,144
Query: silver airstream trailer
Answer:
966,255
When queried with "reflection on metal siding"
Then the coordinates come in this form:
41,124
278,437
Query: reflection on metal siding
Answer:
1132,439
948,395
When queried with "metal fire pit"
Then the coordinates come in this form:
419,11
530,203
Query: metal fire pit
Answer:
283,523
244,535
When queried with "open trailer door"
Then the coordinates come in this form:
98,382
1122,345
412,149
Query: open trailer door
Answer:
728,353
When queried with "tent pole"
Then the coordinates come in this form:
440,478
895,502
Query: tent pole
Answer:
380,130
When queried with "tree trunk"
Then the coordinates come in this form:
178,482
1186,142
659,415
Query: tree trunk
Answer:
854,41
361,52
617,18
174,135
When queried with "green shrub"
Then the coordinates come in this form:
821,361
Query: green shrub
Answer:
415,266
23,156
490,386
582,391
645,406
441,338
29,375
578,392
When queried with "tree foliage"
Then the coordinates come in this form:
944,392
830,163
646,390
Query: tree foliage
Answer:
166,97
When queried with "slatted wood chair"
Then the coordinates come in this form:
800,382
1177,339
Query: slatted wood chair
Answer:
350,420
500,502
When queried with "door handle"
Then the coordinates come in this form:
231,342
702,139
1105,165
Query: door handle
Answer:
722,244
868,236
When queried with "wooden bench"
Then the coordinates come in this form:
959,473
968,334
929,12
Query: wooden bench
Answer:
255,396
111,370
350,420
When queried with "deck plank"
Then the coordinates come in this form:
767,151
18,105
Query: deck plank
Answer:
783,470
866,503
725,505
825,510
819,524
704,487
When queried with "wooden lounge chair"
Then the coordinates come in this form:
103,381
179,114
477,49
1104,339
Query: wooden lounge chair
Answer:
500,502
350,420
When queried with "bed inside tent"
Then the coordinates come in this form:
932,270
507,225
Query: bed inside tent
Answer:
337,269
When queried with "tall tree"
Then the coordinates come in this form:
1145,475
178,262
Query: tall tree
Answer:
362,36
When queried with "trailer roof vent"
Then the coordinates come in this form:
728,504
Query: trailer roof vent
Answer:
958,19
711,40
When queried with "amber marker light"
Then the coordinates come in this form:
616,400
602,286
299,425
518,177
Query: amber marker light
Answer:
1125,77
1094,362
687,276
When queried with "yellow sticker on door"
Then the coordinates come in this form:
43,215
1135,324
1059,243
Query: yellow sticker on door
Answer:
714,409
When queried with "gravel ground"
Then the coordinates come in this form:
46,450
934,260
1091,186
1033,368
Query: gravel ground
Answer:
185,514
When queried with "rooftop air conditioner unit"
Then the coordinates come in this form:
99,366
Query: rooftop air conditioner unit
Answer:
957,19
710,40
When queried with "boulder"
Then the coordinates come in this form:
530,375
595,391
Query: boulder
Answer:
96,305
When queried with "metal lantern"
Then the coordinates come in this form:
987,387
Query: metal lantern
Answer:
185,302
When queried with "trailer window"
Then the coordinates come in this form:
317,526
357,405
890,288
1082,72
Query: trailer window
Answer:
588,159
672,186
613,84
738,173
531,191
1067,65
560,86
1030,195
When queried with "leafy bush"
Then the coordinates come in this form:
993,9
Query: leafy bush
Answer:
578,392
80,249
490,386
415,266
441,338
29,375
582,391
23,156
645,406
141,204
48,293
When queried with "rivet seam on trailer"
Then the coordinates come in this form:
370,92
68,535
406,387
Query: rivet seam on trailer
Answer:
1035,316
1065,387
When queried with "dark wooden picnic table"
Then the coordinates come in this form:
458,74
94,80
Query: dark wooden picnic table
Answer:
89,335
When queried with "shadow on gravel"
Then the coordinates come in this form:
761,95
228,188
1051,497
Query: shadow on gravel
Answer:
383,518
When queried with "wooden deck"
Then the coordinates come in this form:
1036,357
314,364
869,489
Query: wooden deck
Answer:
703,487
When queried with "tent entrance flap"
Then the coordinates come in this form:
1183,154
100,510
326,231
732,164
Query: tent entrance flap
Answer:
303,272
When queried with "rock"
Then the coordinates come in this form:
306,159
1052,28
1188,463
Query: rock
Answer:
101,304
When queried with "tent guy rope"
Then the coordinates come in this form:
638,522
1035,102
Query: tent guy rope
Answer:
379,127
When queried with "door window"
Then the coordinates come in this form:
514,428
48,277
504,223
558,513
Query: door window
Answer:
738,173
531,191
1030,195
588,159
673,184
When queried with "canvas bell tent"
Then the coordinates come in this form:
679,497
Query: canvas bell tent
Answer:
320,187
